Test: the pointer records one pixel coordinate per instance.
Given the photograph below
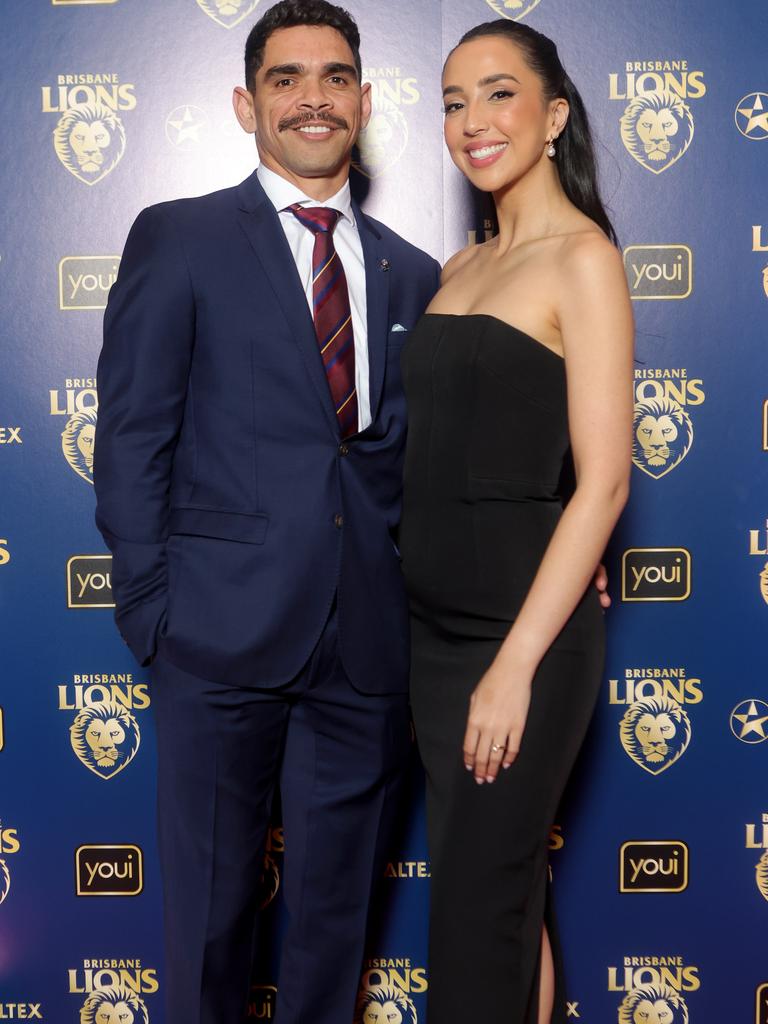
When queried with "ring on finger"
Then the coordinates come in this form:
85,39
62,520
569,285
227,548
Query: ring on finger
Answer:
496,747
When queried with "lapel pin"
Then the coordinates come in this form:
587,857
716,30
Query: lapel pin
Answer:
384,264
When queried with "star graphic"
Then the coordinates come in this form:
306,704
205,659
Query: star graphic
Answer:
186,127
754,108
752,721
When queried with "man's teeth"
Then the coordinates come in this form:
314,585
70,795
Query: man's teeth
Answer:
486,151
314,129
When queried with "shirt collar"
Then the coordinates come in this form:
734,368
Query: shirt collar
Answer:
283,193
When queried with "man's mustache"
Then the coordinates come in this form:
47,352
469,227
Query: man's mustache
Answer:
299,119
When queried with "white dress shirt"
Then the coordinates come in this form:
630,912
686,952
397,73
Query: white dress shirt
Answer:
283,194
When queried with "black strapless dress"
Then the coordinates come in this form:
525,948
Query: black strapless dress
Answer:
488,447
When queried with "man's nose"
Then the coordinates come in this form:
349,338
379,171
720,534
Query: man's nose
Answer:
314,97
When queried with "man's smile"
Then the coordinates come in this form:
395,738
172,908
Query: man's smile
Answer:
312,124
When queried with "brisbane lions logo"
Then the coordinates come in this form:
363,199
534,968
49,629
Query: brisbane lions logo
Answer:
513,9
764,582
90,141
382,142
385,1005
655,733
662,436
227,13
5,880
657,128
653,1004
105,738
761,875
77,440
116,1005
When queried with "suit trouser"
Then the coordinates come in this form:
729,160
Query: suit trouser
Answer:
338,756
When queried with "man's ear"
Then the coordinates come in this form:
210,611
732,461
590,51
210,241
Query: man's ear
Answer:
242,102
366,103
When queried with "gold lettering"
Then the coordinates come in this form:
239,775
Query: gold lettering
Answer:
9,840
696,86
614,92
614,985
556,840
752,842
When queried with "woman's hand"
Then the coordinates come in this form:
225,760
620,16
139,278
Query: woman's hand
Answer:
601,583
498,709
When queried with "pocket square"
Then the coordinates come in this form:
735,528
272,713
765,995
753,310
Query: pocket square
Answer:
397,327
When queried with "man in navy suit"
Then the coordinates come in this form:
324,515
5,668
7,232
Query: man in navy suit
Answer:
248,472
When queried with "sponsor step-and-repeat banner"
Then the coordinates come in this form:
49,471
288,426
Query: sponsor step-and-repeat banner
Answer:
659,857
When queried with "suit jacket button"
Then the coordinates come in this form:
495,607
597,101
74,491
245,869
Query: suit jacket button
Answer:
338,520
343,449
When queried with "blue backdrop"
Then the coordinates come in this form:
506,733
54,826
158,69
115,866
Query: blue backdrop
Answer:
660,854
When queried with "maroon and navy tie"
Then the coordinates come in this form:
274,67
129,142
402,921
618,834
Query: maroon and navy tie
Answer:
332,314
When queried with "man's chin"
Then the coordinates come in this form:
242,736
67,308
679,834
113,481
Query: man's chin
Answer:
322,165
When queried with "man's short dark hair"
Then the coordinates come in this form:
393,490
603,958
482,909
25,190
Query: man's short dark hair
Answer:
288,14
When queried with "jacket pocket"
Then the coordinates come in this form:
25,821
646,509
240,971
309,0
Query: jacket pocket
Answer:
196,521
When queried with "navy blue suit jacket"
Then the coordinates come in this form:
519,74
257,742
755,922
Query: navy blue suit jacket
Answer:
232,511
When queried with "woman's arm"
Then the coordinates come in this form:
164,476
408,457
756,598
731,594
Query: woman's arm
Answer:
595,320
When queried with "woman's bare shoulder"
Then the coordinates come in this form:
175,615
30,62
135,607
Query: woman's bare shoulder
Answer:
586,253
457,261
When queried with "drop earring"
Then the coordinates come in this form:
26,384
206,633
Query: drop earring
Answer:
551,149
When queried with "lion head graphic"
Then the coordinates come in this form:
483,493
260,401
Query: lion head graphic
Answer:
105,737
5,880
384,139
761,875
662,436
764,582
657,128
653,1004
655,733
227,13
385,1004
513,9
114,1005
90,141
77,441
765,281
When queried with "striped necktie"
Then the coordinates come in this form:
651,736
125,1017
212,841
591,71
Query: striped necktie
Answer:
332,314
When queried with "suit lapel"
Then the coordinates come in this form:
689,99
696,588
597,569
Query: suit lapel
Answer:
377,276
261,224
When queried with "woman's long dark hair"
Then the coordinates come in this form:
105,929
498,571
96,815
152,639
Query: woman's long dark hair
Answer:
575,153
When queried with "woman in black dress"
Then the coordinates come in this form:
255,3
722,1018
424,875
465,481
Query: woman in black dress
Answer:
520,368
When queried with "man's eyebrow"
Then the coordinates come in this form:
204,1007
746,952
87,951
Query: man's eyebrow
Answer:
282,70
339,67
490,80
292,70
